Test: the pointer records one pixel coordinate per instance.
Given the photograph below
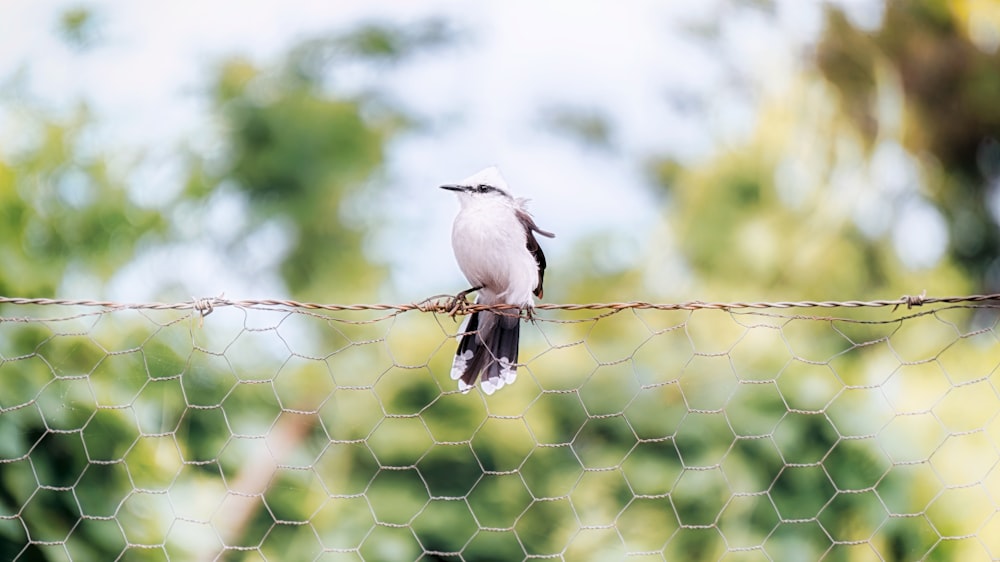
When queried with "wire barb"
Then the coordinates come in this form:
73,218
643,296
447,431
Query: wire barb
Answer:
913,300
203,306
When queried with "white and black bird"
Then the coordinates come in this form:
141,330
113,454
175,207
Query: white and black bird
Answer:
494,242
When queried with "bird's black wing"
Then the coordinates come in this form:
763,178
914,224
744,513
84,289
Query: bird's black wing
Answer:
530,228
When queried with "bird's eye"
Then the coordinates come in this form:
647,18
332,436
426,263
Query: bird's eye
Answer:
483,188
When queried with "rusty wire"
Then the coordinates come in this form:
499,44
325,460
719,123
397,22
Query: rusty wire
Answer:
446,304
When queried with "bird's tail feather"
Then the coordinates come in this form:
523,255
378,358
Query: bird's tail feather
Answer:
489,347
470,357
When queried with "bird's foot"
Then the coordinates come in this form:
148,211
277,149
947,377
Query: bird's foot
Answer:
460,302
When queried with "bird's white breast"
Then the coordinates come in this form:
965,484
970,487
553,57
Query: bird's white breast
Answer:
491,249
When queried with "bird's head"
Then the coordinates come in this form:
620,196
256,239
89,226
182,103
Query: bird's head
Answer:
483,186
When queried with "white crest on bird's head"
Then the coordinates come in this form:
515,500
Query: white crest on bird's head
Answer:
490,176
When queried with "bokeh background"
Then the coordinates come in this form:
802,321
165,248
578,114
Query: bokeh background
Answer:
732,150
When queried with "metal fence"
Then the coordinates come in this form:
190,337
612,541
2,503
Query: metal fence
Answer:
277,430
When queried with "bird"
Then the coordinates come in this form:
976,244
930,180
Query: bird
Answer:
493,238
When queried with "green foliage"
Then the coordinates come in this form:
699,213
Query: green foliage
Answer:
377,41
950,87
589,127
79,27
62,210
741,238
298,158
303,156
298,155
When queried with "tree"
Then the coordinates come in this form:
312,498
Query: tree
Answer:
952,120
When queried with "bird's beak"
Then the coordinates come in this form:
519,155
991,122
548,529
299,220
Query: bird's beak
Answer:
454,187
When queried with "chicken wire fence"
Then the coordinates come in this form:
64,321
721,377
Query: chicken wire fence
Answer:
281,431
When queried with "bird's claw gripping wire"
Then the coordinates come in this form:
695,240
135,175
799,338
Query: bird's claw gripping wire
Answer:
460,302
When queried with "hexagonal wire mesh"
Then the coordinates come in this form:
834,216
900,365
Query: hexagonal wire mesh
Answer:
278,434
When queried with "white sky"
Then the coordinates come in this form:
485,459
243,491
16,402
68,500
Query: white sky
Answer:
146,79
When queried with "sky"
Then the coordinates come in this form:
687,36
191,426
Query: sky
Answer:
640,63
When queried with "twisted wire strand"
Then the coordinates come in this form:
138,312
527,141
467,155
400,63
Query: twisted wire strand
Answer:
446,304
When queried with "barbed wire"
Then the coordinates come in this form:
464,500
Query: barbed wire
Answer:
447,304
